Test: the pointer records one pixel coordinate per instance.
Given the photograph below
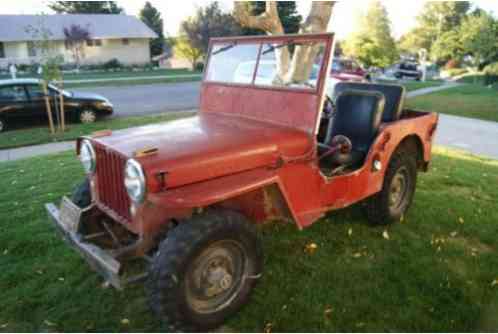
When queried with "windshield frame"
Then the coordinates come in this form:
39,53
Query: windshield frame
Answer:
259,41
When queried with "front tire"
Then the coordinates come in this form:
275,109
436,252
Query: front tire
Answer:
392,202
81,195
204,271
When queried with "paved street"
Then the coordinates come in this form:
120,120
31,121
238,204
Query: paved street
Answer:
149,99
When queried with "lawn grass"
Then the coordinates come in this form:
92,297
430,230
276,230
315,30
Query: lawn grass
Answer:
414,85
468,101
134,78
435,273
110,75
132,82
41,135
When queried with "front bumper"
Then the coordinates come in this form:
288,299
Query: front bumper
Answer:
99,259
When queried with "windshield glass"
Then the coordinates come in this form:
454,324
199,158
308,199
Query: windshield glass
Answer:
267,64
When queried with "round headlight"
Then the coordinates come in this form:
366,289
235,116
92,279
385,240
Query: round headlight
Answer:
87,156
134,181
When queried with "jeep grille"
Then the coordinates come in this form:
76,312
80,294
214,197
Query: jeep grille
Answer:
111,192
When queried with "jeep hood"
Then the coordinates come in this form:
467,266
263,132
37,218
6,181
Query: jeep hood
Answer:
207,146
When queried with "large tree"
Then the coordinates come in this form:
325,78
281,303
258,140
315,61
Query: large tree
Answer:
479,38
372,42
184,49
287,12
152,18
208,22
293,67
436,18
85,7
75,38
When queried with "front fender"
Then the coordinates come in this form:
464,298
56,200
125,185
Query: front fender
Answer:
203,194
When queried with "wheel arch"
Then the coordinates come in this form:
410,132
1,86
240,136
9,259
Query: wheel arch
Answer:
412,144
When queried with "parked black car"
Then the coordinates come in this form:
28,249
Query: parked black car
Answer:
407,70
24,99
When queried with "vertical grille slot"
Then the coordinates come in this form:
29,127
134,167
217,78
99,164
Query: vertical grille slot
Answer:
110,180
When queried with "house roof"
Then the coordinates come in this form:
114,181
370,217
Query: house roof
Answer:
15,28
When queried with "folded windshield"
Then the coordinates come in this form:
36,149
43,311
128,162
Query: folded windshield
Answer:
267,64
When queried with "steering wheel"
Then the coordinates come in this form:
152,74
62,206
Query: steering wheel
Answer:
339,143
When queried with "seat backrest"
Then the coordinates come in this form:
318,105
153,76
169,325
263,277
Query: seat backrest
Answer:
358,117
394,95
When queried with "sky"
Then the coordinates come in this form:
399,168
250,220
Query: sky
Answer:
401,12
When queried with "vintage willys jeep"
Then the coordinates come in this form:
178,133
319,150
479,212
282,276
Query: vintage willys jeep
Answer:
184,196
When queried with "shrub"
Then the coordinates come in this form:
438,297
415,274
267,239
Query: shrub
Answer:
452,64
491,69
112,64
199,67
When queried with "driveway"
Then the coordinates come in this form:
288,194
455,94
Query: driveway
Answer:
149,99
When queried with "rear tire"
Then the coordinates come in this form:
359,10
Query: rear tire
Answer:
204,271
392,202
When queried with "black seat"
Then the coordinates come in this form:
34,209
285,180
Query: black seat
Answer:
358,117
394,95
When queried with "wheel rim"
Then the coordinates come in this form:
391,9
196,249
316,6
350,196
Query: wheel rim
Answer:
2,125
87,116
215,277
398,188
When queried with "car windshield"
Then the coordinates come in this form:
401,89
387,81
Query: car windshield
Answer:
408,67
264,64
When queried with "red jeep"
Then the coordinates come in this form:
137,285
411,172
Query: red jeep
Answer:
184,197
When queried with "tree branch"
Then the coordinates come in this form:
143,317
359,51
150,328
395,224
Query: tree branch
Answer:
318,18
268,21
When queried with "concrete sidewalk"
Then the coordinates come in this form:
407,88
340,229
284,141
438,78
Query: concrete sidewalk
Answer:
32,151
428,90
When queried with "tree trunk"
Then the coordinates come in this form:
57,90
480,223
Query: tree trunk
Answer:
61,99
47,105
297,69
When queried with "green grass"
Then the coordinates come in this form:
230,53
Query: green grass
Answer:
477,79
467,101
414,85
110,75
131,82
41,135
133,77
434,274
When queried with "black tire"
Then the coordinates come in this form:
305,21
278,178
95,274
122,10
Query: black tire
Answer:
81,195
179,257
389,206
3,124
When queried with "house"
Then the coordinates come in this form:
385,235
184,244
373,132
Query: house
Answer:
123,37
